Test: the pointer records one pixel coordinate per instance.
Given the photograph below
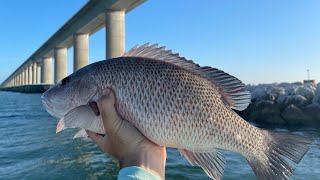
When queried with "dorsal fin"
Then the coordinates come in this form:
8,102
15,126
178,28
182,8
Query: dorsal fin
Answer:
232,90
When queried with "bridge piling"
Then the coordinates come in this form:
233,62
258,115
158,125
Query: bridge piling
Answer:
60,64
34,73
80,50
115,33
46,70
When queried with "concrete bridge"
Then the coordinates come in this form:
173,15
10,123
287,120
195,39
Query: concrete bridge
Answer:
37,74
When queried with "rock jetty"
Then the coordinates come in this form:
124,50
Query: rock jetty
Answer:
291,104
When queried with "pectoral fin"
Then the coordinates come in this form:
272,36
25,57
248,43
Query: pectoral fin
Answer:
81,117
81,134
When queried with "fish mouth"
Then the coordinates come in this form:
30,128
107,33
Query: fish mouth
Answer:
48,105
46,101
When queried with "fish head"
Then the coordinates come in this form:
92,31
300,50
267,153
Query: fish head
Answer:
72,91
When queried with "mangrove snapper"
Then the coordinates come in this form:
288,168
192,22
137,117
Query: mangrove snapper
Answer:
176,103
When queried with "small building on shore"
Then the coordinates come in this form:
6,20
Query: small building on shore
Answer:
313,82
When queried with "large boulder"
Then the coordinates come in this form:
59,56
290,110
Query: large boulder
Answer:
297,83
316,98
265,97
258,92
265,112
294,116
289,88
297,100
313,110
277,92
307,92
284,85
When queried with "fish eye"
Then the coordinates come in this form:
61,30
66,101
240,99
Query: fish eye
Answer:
64,81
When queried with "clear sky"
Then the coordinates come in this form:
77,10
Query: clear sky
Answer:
256,41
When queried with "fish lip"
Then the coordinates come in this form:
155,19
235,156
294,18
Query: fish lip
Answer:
45,98
48,105
46,101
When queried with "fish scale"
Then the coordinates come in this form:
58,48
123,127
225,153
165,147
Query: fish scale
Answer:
160,121
176,103
157,121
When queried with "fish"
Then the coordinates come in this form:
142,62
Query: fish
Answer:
176,103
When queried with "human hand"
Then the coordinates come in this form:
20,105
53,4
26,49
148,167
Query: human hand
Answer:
123,141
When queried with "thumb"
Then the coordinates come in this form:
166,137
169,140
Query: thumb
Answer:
108,112
95,137
102,141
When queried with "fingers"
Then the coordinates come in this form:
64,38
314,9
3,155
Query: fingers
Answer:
102,141
109,115
95,137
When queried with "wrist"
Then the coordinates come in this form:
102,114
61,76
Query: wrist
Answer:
150,157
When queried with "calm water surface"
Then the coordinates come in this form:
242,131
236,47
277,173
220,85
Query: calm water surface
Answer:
30,149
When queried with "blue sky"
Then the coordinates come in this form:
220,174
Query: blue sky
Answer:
256,41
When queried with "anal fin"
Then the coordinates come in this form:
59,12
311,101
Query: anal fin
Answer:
212,163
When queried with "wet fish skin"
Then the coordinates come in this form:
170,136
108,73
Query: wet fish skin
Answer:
164,102
178,104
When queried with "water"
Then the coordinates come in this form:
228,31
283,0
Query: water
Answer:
30,149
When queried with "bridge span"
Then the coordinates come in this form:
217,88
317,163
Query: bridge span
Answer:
37,73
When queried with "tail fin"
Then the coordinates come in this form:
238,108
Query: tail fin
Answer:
279,145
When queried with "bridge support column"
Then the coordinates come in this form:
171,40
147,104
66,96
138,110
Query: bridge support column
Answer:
23,77
39,73
60,64
30,73
46,70
115,33
80,50
26,75
34,73
19,79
